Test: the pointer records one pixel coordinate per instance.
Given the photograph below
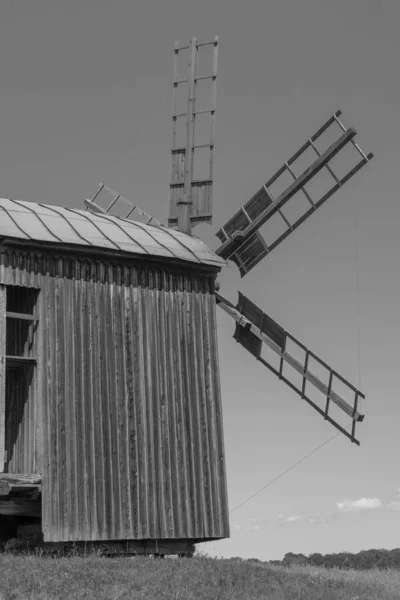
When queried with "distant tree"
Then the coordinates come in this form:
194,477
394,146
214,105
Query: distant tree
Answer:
254,560
364,560
294,559
316,559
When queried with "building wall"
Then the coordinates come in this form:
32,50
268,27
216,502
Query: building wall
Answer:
128,373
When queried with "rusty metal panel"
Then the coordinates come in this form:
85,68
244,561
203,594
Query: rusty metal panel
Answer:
129,378
28,221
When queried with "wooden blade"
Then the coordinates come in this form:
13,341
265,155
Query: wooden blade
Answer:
242,241
255,328
191,188
133,210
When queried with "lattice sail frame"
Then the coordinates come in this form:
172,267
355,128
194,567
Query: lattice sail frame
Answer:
242,242
93,206
191,199
255,328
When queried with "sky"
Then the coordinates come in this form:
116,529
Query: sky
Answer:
77,82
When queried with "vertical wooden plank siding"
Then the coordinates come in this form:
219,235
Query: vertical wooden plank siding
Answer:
2,375
132,436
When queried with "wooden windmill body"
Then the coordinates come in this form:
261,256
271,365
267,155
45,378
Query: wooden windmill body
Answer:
110,410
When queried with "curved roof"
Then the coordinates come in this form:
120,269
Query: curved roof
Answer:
29,221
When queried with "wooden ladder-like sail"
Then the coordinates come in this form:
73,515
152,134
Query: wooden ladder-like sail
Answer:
255,328
191,195
133,209
241,239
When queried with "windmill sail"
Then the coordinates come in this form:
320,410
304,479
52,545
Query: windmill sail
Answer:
190,195
241,240
133,210
254,329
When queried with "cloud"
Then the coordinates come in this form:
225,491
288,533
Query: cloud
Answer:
292,519
317,520
358,505
247,527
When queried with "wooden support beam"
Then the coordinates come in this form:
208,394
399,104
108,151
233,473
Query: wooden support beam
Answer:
6,487
3,301
20,361
185,205
20,478
12,482
21,316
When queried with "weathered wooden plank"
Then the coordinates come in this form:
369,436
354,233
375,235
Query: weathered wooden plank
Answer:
20,361
2,375
6,487
21,316
185,206
21,478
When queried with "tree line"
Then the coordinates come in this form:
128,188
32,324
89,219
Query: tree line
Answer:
364,560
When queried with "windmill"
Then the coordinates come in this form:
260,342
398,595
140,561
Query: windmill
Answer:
241,237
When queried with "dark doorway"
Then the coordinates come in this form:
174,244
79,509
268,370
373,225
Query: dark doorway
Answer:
21,352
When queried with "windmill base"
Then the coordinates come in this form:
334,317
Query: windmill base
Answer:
29,537
21,527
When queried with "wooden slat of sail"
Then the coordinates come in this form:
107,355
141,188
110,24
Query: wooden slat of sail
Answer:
254,327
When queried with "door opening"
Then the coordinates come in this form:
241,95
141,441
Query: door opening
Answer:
20,397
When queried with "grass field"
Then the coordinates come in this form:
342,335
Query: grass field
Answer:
37,578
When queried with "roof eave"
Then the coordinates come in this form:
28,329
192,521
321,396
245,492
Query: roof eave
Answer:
97,253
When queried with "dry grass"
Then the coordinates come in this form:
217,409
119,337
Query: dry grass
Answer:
93,577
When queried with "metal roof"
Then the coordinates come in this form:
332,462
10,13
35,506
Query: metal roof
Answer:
29,221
